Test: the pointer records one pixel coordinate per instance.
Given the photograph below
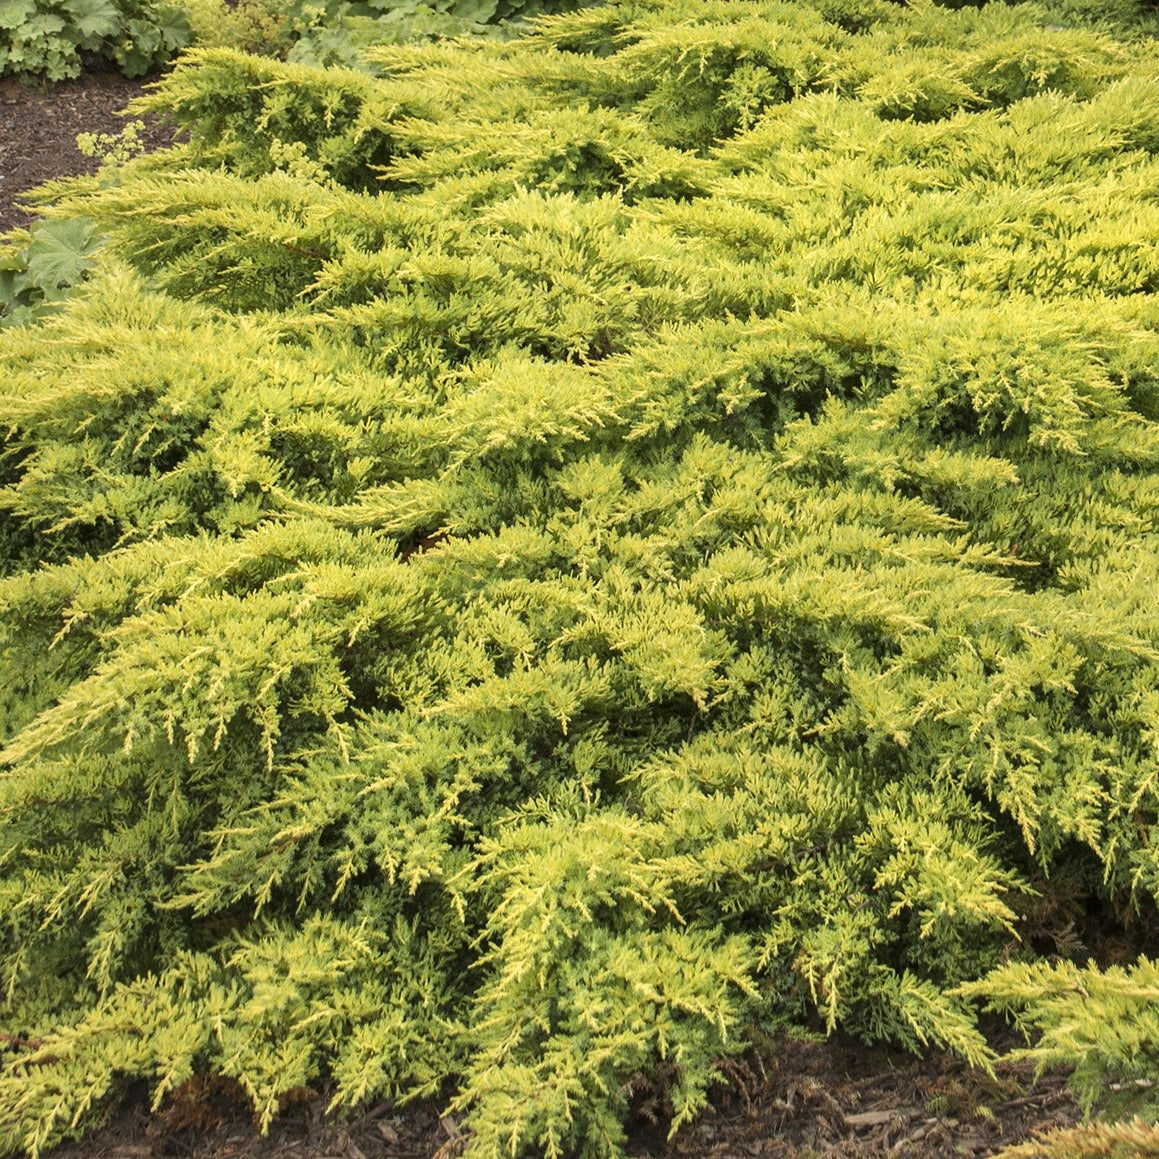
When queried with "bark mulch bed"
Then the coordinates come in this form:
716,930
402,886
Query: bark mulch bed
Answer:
39,125
793,1100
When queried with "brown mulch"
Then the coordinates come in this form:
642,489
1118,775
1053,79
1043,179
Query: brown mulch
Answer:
838,1099
39,125
793,1100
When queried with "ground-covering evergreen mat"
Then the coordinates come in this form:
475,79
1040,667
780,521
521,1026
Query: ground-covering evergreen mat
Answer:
527,570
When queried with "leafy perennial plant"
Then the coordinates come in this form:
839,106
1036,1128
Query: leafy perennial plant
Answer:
547,560
46,37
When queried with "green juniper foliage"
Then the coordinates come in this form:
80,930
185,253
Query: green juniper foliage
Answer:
522,569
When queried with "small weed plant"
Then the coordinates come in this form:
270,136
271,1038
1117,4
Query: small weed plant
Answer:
113,149
535,564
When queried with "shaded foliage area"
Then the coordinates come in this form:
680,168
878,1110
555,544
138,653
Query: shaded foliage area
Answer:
527,566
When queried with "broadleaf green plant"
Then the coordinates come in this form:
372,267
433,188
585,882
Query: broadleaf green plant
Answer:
46,38
526,568
40,271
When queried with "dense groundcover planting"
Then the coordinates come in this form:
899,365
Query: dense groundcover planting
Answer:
528,569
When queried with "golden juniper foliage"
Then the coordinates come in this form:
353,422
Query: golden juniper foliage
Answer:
1130,1140
532,563
1071,1009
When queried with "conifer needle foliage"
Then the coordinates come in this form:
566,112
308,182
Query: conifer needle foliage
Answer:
524,568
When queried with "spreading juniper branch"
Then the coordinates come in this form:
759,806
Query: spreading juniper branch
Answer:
512,578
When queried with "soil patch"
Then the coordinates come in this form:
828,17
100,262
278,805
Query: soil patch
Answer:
838,1099
794,1100
39,125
